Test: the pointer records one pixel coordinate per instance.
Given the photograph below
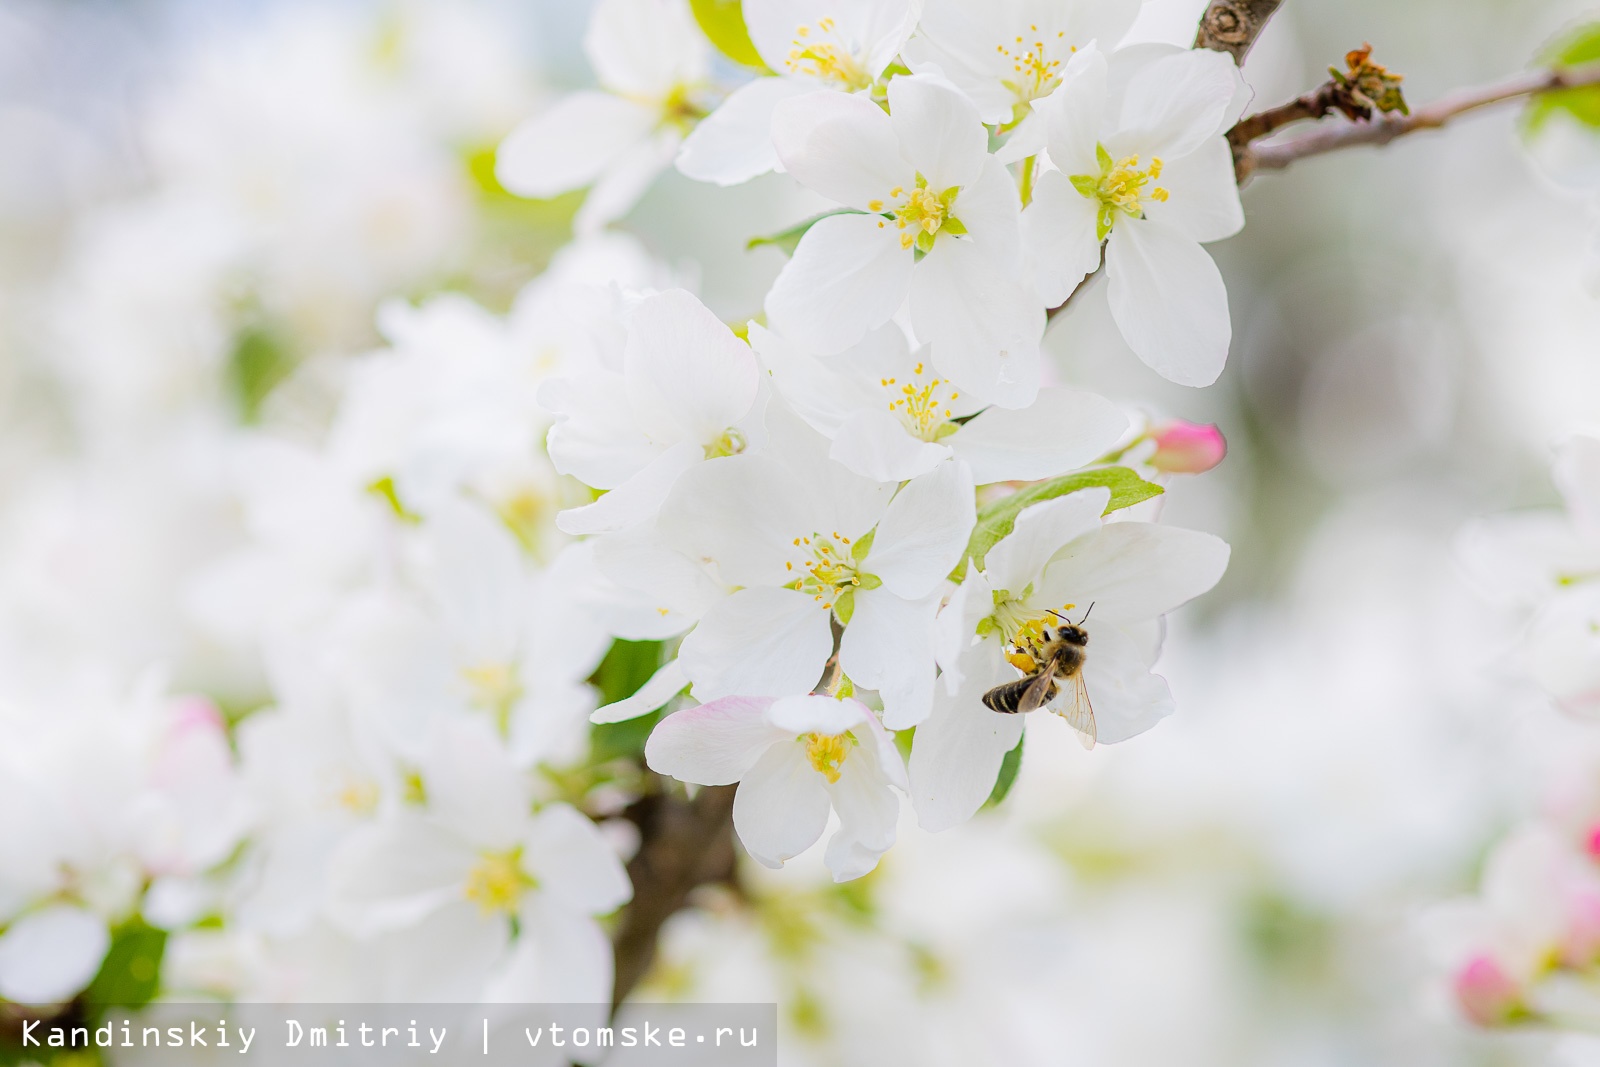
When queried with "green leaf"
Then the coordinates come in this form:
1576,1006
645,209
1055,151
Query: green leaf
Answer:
1575,48
996,520
788,240
1008,775
626,667
130,975
722,21
260,360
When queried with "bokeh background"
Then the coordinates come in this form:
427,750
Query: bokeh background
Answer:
203,204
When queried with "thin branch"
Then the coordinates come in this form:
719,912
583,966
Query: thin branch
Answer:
1334,136
1232,26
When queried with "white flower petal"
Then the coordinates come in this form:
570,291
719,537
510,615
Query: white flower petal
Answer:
473,788
50,954
1062,430
956,755
874,444
446,957
1204,200
1040,532
868,811
990,210
394,873
888,646
663,685
940,133
923,533
479,581
741,513
781,807
625,181
714,744
572,144
1175,103
848,276
842,146
1059,237
1127,698
1133,571
687,376
1074,112
734,143
1168,300
758,642
645,48
559,958
982,324
573,863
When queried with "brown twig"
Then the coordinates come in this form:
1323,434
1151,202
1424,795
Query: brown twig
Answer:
1232,26
1381,131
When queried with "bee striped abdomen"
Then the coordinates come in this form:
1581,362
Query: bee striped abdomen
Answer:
1006,698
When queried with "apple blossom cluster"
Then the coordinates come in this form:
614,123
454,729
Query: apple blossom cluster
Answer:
1526,950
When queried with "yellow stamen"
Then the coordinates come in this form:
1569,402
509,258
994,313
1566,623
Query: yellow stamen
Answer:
827,752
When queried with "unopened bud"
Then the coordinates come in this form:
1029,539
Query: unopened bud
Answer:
1487,995
1187,447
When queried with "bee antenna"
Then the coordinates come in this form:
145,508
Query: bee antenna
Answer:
1058,614
1086,614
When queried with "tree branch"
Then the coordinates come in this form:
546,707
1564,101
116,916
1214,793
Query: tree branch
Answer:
1381,131
1232,26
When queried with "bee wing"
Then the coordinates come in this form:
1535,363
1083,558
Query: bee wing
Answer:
1039,690
1072,704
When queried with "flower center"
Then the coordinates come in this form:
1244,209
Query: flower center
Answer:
819,52
497,881
920,404
730,443
1019,625
920,214
826,752
495,688
1119,187
1036,71
358,795
680,110
828,568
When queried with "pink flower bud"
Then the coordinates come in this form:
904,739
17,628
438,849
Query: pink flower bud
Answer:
1485,992
1187,447
1591,842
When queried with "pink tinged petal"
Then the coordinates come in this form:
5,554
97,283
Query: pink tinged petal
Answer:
875,444
472,786
573,863
888,646
687,375
781,807
1063,430
645,47
868,811
1204,195
715,743
663,685
1486,993
1039,533
636,500
1134,571
940,133
923,533
842,146
847,277
625,181
1060,241
50,954
572,144
1074,113
394,873
1168,300
734,143
1127,698
1187,447
758,642
559,958
812,713
983,325
956,755
1174,104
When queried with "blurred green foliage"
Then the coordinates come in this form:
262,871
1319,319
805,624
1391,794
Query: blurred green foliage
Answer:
722,21
1575,48
627,666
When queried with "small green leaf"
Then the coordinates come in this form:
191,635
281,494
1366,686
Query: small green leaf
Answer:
997,520
788,240
384,487
722,21
1575,48
845,606
259,362
1103,157
862,546
1087,185
1008,775
130,975
870,581
626,667
954,227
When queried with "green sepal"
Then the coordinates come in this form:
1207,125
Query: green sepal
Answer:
924,242
954,227
845,607
945,429
863,545
870,581
1102,222
1102,157
722,21
1087,185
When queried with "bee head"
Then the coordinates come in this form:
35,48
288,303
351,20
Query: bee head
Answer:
1073,635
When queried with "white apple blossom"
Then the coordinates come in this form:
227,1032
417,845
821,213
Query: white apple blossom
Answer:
1141,167
805,542
808,44
503,900
890,417
795,759
933,219
652,63
684,390
1113,579
1005,54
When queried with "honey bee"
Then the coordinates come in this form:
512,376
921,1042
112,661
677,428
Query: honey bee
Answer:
1055,681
